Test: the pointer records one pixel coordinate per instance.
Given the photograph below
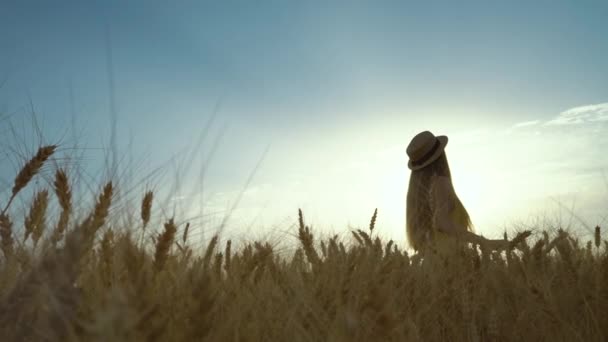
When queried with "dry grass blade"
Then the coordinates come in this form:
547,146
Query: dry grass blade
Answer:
598,237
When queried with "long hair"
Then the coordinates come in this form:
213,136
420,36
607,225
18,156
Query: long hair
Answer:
419,211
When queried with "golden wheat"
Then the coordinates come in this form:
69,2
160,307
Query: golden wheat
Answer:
163,244
372,223
307,240
146,208
63,193
552,288
29,170
6,234
228,256
101,211
35,223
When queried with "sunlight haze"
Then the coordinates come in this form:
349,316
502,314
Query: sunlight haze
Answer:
333,93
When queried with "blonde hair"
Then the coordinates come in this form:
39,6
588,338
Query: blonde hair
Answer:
419,211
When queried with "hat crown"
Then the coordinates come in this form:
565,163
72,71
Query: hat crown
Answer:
420,145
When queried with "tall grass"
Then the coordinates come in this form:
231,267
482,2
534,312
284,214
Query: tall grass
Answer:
87,281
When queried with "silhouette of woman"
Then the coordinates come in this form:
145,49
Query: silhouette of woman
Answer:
435,216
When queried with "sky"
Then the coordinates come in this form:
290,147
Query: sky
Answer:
312,104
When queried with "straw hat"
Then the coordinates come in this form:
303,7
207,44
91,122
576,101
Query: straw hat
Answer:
424,149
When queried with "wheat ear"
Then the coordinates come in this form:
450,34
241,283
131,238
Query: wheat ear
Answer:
35,222
6,235
29,170
163,244
64,195
146,208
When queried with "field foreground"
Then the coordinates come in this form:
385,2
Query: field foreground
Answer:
64,279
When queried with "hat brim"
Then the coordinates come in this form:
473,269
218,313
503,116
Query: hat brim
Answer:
443,141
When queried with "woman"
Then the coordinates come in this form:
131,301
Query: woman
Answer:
436,217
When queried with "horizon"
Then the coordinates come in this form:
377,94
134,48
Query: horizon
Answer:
325,98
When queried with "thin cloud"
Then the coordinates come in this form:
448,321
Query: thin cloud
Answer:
526,124
582,114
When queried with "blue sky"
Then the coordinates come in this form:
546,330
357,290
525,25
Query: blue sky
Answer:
336,90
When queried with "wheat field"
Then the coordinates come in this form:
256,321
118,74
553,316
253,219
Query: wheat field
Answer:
67,275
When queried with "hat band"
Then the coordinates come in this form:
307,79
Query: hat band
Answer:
428,155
